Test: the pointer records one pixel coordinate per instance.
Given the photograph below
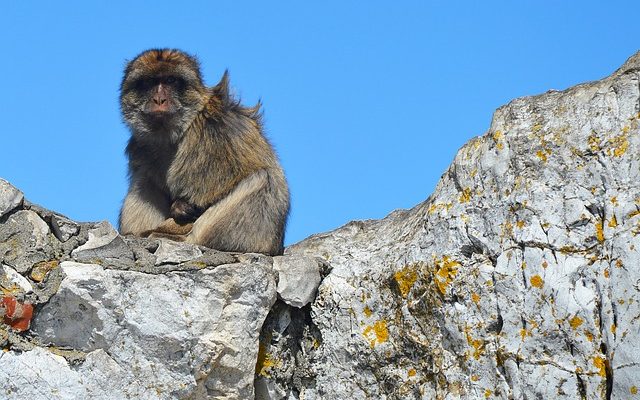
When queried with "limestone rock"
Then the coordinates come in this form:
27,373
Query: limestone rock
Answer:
10,197
298,279
518,278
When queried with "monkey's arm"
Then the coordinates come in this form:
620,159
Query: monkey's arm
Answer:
170,229
144,208
183,212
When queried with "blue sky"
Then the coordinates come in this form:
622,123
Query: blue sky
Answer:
366,103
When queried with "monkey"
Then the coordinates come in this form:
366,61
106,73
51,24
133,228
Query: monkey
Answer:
200,167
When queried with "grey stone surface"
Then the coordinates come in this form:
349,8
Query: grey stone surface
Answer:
10,197
25,239
180,333
104,244
298,279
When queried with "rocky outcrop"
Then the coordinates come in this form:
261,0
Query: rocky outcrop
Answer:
517,279
89,314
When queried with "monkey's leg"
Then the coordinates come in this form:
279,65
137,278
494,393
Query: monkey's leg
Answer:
247,220
170,229
144,208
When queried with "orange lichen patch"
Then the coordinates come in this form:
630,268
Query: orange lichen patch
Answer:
477,344
606,273
619,263
541,155
594,142
499,146
465,196
487,393
601,364
405,278
619,144
613,222
411,372
447,269
536,281
633,214
575,322
41,269
613,328
16,314
497,135
377,332
599,230
614,200
524,333
265,363
367,311
475,378
475,297
520,224
545,264
633,390
588,335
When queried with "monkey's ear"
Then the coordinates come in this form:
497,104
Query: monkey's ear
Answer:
222,88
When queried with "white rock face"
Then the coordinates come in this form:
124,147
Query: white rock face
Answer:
298,279
517,279
177,332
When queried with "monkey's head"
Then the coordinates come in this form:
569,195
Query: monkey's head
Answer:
161,93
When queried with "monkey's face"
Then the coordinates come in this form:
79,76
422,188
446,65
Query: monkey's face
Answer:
161,93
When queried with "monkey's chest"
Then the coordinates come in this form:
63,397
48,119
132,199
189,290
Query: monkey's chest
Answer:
199,180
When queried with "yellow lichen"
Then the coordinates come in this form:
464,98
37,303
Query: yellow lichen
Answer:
614,200
475,297
541,155
487,393
613,328
613,222
520,224
588,335
575,322
536,281
620,145
447,269
377,332
367,311
411,372
475,378
601,364
536,128
523,333
599,230
405,278
465,196
633,390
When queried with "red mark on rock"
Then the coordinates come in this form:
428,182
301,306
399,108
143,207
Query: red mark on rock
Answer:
16,314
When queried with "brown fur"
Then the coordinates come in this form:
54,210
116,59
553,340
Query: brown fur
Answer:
203,173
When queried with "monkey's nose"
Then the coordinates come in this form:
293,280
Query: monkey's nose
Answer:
159,100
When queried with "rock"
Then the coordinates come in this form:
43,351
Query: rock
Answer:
10,197
170,252
104,243
518,278
25,240
63,227
178,332
11,282
298,279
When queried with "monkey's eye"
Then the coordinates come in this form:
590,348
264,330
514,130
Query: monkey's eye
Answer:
171,79
143,84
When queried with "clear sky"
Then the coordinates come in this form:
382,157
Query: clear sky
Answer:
366,103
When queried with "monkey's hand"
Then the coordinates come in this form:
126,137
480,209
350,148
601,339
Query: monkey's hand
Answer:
184,213
170,229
